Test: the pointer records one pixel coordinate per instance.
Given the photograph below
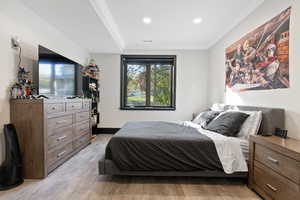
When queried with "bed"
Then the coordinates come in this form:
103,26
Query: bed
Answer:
177,149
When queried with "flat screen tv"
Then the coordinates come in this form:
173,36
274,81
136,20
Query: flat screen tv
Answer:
57,75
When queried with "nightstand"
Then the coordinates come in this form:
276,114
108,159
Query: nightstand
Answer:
274,167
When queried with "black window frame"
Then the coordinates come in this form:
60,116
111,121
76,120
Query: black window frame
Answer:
147,59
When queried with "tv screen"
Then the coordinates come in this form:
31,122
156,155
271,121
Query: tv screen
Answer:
57,75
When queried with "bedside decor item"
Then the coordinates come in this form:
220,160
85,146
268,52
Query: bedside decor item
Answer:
274,167
281,132
11,169
23,88
260,60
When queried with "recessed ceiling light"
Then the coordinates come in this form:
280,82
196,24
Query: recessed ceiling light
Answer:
147,20
147,41
197,20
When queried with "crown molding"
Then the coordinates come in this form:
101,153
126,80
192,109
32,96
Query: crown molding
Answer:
106,17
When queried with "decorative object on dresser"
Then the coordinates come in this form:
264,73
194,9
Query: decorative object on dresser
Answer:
90,87
50,131
274,170
23,88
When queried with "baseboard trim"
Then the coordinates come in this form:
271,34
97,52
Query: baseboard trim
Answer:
107,130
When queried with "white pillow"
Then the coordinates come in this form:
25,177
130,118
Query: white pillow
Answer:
251,125
205,117
221,107
218,107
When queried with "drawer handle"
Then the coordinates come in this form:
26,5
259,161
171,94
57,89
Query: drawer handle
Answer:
53,108
273,160
61,154
62,122
61,138
271,187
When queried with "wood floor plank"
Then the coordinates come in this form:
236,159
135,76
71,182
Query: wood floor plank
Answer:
78,179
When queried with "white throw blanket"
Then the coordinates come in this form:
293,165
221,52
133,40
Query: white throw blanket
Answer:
228,148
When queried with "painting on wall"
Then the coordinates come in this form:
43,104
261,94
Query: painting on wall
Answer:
260,60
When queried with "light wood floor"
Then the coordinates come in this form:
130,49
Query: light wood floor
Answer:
78,179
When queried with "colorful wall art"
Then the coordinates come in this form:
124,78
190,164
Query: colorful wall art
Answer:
260,60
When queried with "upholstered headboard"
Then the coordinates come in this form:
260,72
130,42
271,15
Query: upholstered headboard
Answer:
272,118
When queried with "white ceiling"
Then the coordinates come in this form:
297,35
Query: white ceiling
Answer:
172,24
78,20
115,25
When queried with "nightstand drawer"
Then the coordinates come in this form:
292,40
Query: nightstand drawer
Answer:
275,186
284,165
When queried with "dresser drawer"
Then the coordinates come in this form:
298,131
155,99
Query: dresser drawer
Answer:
59,137
274,185
82,128
55,108
74,106
82,116
284,165
81,141
57,154
86,105
59,122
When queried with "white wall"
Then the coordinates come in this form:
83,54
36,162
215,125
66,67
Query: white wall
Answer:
17,20
282,98
191,88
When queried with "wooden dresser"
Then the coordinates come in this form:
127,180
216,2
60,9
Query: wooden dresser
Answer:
50,132
274,170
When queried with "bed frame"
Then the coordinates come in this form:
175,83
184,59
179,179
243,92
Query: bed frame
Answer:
272,118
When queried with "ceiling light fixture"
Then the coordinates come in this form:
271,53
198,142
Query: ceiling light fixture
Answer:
197,20
147,41
147,20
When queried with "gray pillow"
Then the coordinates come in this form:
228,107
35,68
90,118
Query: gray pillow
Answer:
227,123
205,117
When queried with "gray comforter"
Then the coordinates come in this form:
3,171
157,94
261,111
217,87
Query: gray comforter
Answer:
162,146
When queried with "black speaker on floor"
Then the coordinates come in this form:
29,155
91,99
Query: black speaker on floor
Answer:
11,168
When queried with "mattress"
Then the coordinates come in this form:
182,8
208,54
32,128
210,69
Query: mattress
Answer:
162,146
169,146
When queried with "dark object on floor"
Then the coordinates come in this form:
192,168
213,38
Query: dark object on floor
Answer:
11,169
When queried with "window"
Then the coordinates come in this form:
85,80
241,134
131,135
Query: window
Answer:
148,82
